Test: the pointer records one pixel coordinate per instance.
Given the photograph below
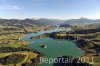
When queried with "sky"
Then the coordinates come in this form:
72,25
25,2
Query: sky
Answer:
52,9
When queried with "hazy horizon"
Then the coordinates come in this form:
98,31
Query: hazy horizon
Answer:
48,18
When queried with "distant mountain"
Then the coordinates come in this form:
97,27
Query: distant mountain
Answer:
81,21
44,21
28,21
50,21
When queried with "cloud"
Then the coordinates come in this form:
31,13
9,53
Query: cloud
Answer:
2,1
10,7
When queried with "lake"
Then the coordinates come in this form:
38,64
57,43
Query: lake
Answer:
55,47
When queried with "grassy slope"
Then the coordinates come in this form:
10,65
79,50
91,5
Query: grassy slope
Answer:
10,38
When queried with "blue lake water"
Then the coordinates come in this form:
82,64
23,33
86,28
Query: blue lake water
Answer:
55,47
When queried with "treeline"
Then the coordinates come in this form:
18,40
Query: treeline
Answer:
68,37
12,49
12,59
85,31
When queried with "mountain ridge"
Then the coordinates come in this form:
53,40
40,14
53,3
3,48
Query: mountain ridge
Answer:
45,21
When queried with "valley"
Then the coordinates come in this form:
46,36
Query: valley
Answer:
22,38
